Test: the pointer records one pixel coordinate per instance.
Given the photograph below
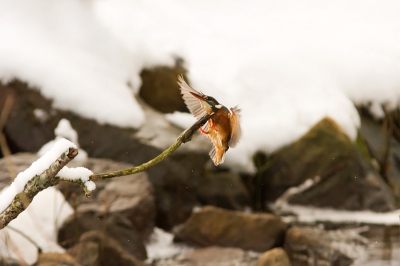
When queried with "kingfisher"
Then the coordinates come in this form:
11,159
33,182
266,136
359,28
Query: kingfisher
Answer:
223,128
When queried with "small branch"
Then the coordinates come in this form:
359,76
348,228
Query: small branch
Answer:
186,136
88,193
40,182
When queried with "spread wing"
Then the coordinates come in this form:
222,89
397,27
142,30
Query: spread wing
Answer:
236,133
192,103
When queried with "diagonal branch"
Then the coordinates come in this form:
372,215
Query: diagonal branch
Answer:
38,183
183,138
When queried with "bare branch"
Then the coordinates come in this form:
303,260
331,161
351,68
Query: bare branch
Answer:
186,136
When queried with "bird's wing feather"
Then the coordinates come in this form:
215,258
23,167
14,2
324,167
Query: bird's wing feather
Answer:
213,155
236,132
192,103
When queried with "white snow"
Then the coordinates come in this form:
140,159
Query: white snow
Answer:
306,214
183,120
77,173
161,245
40,222
286,63
310,214
64,130
60,48
37,167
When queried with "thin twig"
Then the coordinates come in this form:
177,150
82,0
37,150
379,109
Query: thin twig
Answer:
183,138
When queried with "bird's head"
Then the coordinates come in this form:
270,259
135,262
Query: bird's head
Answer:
211,102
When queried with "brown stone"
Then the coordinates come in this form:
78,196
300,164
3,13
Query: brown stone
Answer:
216,256
215,226
160,89
274,257
223,189
109,250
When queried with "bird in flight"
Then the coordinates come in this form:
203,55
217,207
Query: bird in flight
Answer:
223,128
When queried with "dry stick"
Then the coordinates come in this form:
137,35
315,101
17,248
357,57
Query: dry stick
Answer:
183,138
40,182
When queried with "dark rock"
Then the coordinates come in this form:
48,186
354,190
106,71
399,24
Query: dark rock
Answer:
223,189
109,252
347,180
160,89
306,246
52,259
176,188
375,137
215,226
123,207
24,130
175,179
86,253
119,227
275,257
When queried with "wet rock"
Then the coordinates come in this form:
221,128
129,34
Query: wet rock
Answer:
109,251
347,179
215,226
52,259
311,246
160,89
275,257
223,189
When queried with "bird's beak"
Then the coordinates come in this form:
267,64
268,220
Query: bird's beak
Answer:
197,96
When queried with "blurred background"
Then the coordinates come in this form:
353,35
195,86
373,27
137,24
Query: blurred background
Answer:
314,180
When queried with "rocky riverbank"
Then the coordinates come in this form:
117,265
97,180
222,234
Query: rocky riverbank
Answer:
227,217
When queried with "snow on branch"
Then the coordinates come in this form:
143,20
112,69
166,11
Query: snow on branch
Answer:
39,176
